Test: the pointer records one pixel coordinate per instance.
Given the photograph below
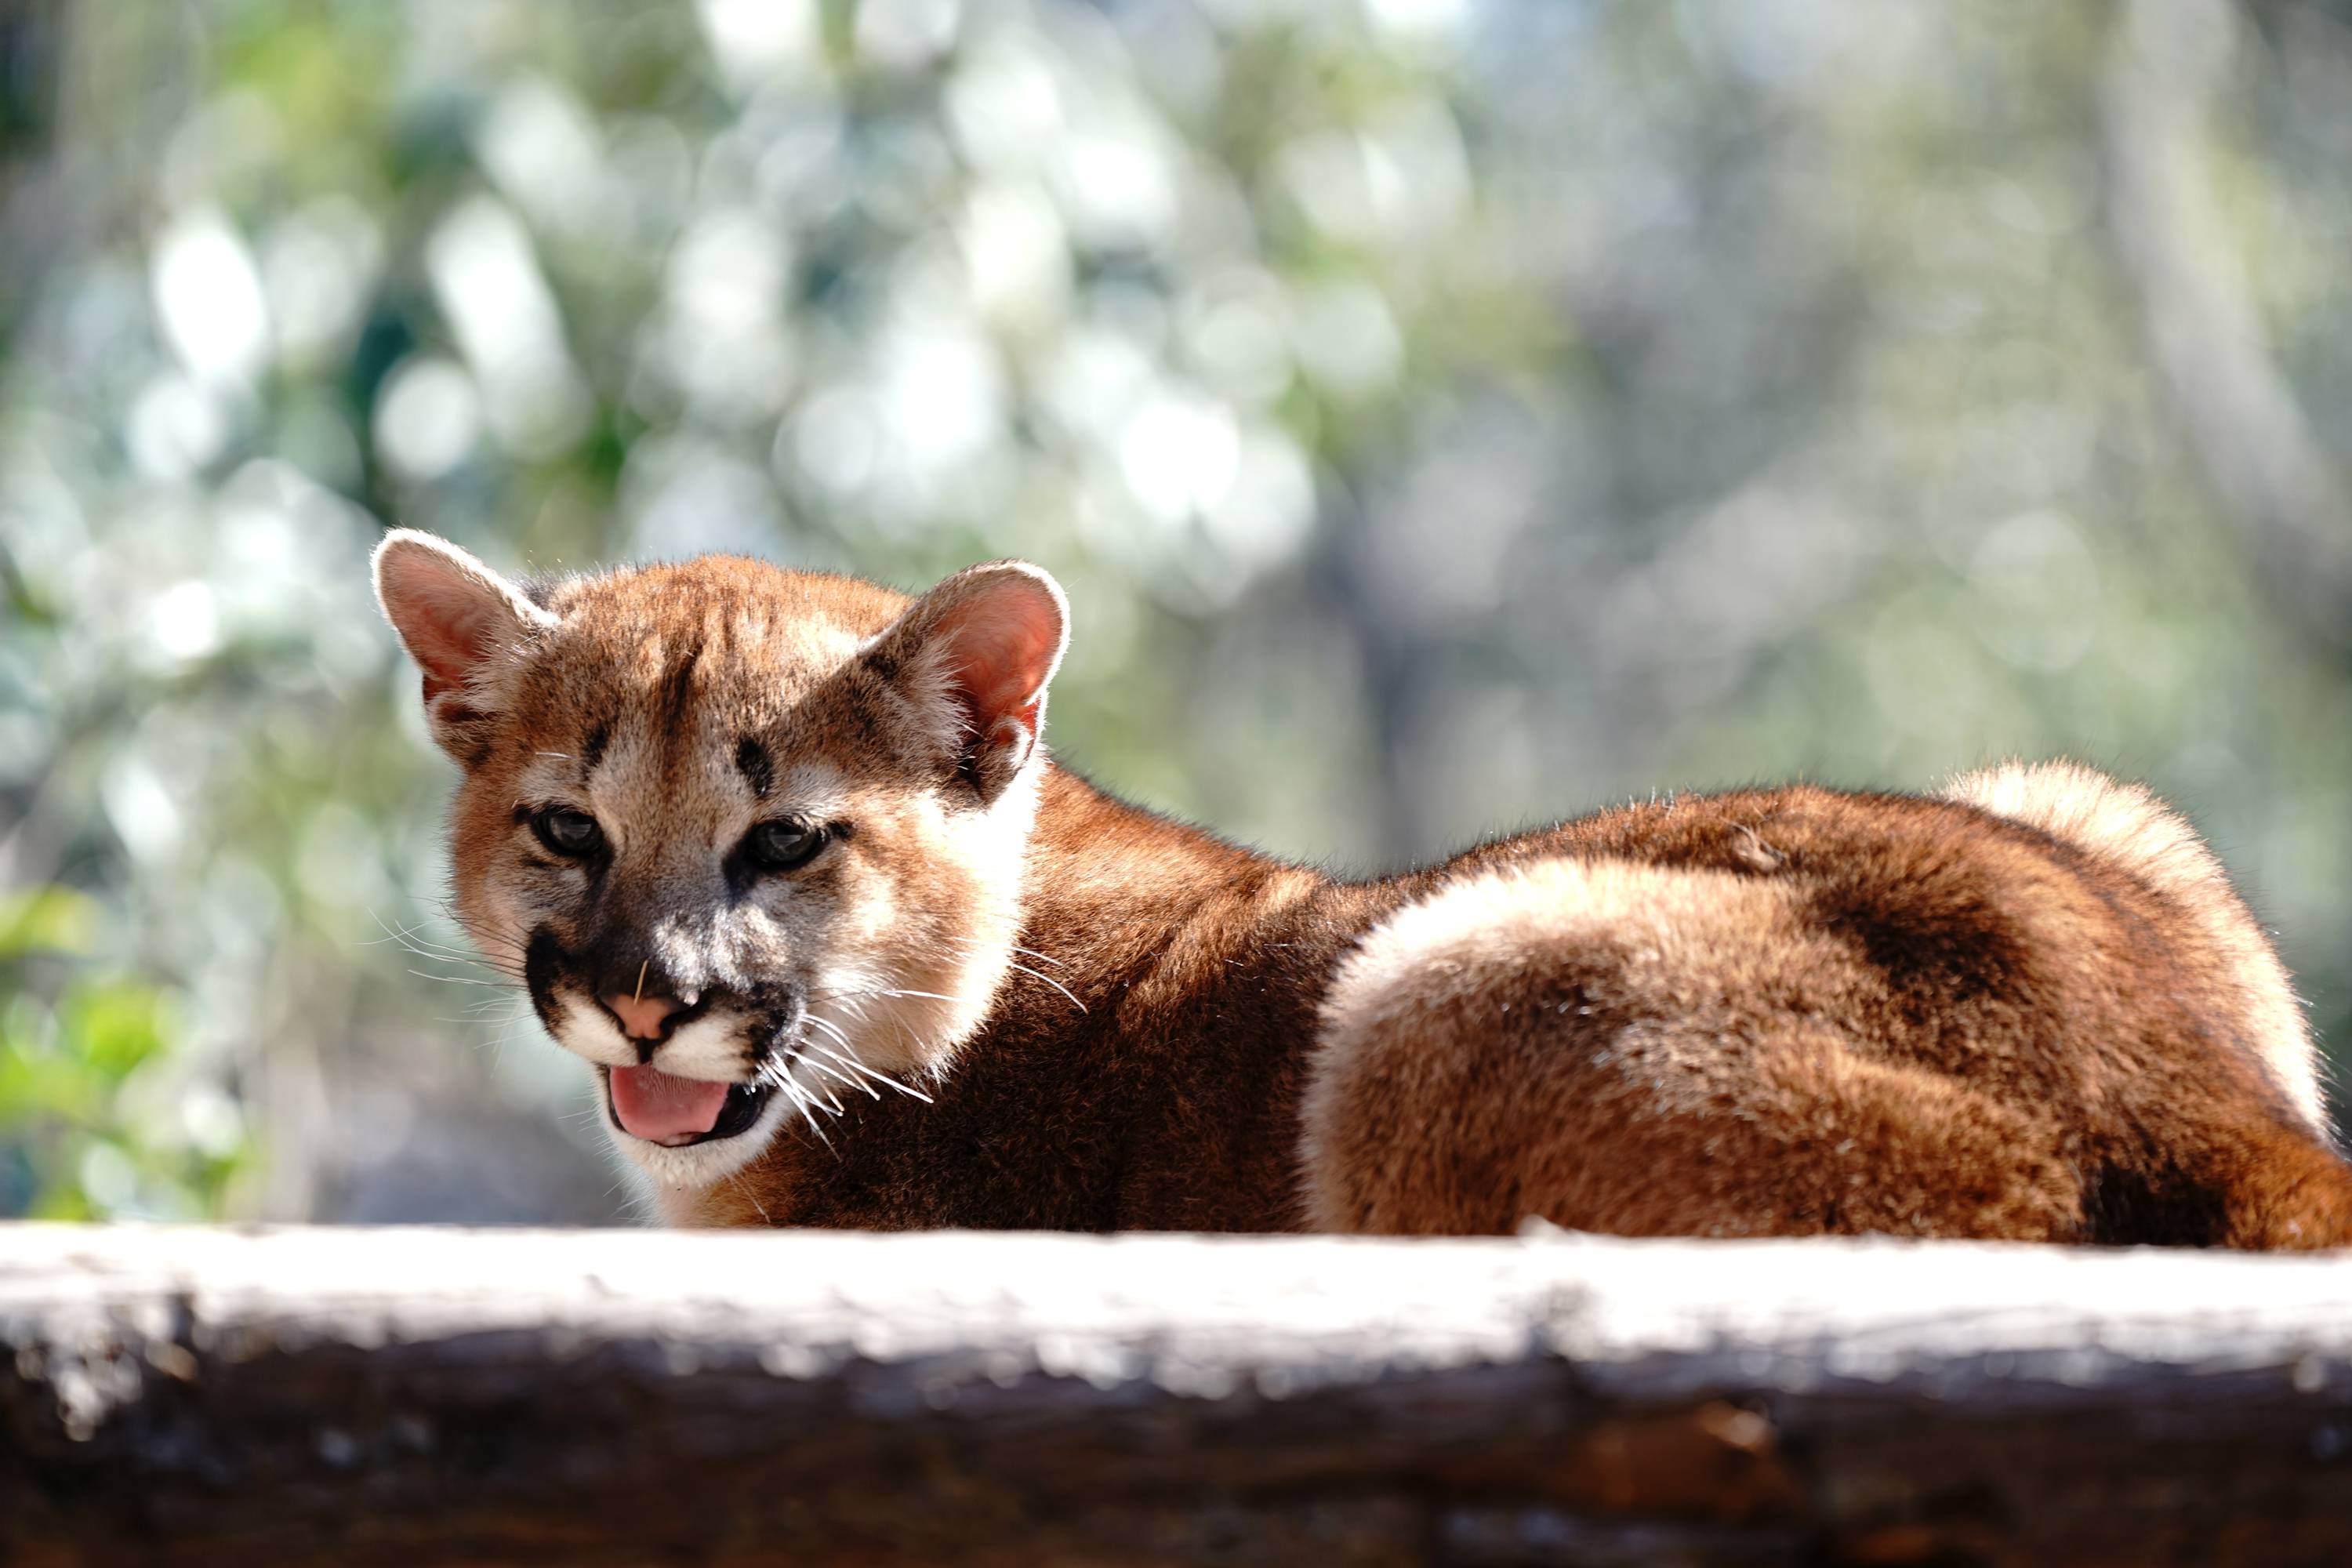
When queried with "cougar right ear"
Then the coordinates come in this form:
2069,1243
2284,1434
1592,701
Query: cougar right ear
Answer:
454,615
975,655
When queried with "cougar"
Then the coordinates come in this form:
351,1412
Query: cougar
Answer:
780,855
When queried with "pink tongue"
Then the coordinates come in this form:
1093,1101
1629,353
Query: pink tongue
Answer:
658,1108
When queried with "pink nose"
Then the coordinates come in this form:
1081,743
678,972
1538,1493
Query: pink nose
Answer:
641,1015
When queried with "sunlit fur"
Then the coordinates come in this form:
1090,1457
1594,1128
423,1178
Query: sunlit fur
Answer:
1792,1011
2031,1007
2124,823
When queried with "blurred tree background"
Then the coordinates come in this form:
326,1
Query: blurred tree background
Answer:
1444,415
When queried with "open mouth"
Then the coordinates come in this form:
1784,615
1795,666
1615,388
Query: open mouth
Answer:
662,1107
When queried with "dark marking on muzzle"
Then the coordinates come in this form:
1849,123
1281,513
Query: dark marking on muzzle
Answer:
544,964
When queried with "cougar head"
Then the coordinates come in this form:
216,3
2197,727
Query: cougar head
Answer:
748,835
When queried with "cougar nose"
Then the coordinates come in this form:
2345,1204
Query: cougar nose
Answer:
641,1017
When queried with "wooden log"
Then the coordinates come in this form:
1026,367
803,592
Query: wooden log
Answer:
188,1395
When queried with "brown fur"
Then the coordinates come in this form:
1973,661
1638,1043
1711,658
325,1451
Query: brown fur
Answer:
2030,1008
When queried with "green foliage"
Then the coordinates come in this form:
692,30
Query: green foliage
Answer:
1443,416
79,1075
46,921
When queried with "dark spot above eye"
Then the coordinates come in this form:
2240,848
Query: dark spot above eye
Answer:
759,769
591,750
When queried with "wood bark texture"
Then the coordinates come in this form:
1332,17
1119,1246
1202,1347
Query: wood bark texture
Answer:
189,1395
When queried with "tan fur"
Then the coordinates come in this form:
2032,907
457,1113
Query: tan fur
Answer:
2031,1008
2127,826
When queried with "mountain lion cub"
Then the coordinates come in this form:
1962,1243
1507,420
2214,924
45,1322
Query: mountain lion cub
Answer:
781,856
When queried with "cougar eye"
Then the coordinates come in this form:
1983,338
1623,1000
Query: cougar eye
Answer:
785,845
568,831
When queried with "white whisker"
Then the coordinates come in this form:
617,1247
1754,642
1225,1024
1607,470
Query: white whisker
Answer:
753,1196
462,980
776,1073
832,1102
1010,947
1055,983
808,1110
852,1063
411,941
827,1025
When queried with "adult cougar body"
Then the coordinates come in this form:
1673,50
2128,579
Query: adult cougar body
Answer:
781,856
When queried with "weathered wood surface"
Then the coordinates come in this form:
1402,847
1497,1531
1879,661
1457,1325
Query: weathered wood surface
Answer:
414,1397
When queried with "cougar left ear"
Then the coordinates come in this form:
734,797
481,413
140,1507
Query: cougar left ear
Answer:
978,651
455,615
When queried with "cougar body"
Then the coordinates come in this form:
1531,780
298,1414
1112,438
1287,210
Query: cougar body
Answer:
781,856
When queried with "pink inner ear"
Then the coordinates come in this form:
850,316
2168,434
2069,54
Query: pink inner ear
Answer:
1001,646
449,620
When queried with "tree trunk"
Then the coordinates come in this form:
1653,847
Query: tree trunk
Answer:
417,1397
